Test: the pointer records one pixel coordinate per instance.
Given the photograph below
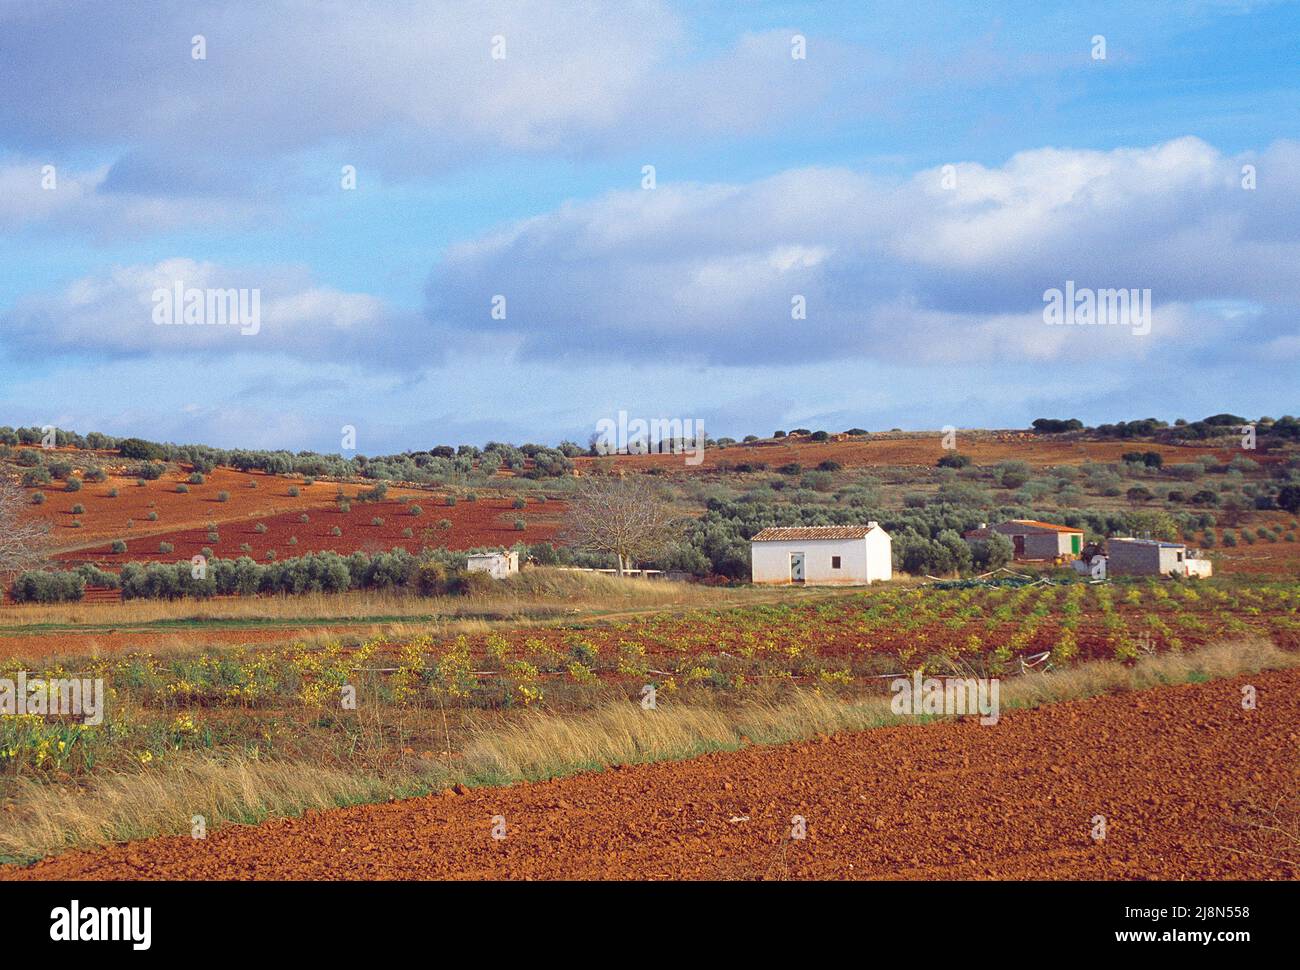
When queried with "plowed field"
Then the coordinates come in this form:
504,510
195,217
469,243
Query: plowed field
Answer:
1184,777
466,525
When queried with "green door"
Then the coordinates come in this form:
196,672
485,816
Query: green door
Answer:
1076,542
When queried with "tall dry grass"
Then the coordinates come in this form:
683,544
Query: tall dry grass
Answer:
539,591
45,819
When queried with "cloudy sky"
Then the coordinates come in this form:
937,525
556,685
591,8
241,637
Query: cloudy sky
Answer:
915,182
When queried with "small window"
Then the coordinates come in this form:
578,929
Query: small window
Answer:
835,562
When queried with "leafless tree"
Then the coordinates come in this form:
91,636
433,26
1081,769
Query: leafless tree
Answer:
24,537
623,516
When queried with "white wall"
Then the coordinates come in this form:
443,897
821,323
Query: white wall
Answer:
499,566
861,560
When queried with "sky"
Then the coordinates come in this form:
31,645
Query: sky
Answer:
472,221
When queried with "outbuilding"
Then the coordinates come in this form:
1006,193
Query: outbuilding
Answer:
1033,539
499,565
1151,557
834,555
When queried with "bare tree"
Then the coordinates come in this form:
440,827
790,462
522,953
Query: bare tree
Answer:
23,537
625,517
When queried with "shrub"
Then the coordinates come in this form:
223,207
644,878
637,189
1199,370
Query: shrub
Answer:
336,532
244,547
416,510
94,474
152,516
150,471
518,503
829,465
36,476
75,524
38,498
953,460
197,478
376,522
293,540
74,485
138,448
261,528
252,483
183,489
119,546
1289,498
407,533
40,587
790,468
78,509
165,547
293,491
223,496
520,525
451,499
112,493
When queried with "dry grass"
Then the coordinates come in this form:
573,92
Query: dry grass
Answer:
538,590
41,819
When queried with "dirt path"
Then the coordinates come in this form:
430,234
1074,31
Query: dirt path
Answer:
1176,771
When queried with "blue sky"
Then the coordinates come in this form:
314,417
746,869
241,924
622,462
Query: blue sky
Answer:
821,178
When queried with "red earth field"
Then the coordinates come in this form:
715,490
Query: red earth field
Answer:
485,522
1191,787
107,518
920,450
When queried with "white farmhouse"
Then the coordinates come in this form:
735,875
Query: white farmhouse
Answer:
835,555
499,565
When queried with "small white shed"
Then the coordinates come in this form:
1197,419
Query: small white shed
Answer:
835,555
497,564
1150,557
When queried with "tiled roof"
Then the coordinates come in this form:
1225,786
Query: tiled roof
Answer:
804,533
1050,527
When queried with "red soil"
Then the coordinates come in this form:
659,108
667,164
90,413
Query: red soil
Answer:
486,522
106,518
916,449
1183,776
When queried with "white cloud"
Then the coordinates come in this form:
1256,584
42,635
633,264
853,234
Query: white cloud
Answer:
112,314
902,270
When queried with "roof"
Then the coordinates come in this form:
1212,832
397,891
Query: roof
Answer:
1149,542
1049,526
805,533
